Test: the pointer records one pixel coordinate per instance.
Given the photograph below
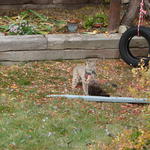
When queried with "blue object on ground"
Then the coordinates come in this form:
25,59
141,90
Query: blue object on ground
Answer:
105,99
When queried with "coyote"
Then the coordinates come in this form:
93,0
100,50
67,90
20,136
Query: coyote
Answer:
82,74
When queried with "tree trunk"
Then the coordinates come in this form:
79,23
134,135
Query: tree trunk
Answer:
131,13
147,6
114,16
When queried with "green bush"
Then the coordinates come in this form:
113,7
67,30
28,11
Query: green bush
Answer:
98,18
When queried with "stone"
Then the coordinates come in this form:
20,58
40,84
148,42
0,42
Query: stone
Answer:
122,29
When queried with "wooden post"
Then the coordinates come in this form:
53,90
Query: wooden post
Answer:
114,16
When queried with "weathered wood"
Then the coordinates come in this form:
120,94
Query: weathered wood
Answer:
64,46
83,41
26,42
99,41
57,54
70,1
114,15
25,1
42,1
63,2
14,1
65,41
65,54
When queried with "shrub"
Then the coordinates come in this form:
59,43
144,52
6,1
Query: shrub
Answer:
98,18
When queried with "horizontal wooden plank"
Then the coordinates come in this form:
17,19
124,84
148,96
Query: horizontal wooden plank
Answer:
65,41
36,6
25,42
57,54
87,41
82,41
15,57
64,54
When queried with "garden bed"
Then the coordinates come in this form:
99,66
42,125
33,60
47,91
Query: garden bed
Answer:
53,20
92,19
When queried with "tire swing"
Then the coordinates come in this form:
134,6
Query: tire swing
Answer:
126,38
124,46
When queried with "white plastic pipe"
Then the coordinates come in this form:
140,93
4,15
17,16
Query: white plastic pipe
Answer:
105,99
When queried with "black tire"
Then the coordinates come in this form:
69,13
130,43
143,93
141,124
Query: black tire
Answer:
124,43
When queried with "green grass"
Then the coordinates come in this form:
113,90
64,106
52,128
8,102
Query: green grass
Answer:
29,126
54,125
30,121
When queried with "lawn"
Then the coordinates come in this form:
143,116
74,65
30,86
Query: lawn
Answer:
31,121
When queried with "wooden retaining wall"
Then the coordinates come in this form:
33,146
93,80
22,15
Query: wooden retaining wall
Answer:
15,49
40,4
